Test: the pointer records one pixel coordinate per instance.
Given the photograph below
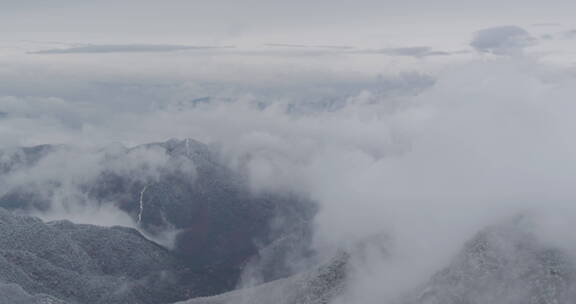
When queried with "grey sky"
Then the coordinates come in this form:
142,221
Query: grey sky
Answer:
207,22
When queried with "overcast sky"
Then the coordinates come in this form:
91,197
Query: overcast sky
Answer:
297,21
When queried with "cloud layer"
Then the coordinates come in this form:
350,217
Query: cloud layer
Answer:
502,40
415,159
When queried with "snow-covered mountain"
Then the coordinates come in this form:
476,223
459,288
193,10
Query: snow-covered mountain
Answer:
179,187
225,234
85,264
505,263
319,285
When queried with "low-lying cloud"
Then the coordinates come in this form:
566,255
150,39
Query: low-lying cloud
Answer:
321,46
415,51
128,48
